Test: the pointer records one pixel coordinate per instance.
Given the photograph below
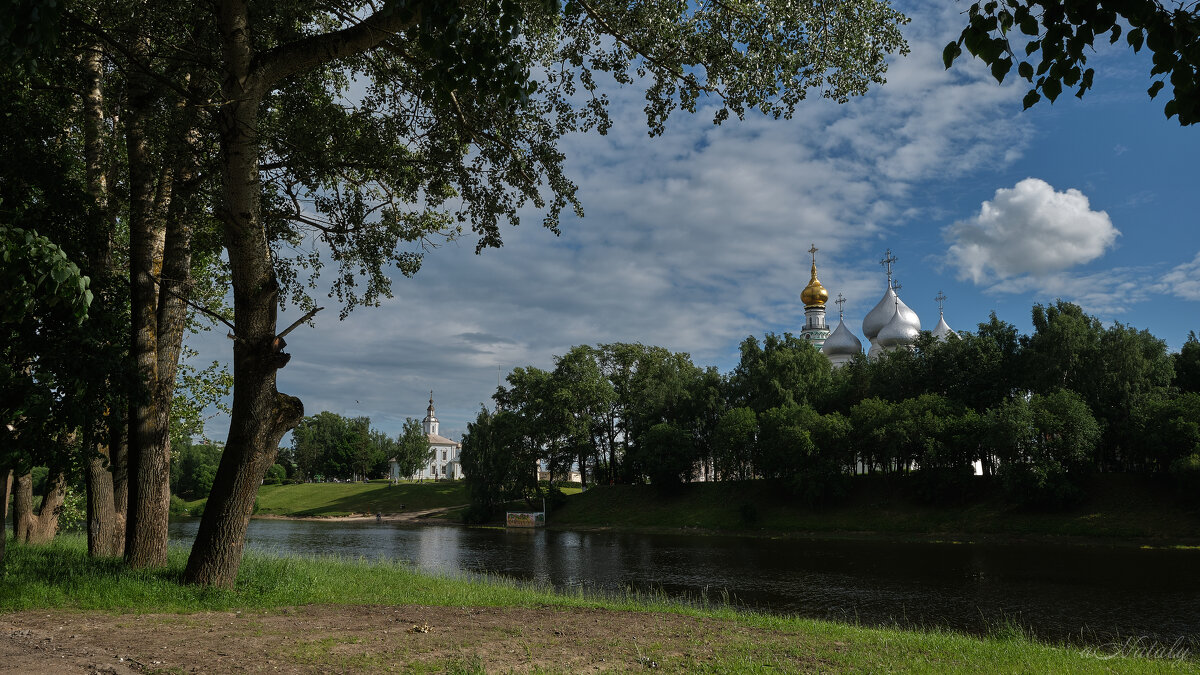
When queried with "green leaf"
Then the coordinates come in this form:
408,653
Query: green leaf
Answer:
1000,69
1029,25
951,52
1025,70
1135,38
1154,89
1116,34
1030,98
1171,108
1052,88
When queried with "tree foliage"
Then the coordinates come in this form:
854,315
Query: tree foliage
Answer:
1004,33
411,448
328,446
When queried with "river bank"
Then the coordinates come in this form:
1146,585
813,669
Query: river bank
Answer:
1121,510
62,612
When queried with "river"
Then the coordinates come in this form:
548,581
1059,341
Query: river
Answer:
1085,594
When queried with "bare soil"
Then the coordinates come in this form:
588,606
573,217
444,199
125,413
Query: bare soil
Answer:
338,638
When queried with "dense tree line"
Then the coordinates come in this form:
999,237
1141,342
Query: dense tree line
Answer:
1038,412
327,446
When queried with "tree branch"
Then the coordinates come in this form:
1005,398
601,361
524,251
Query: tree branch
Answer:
196,306
297,322
305,54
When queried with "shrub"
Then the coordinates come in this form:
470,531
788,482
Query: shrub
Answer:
275,475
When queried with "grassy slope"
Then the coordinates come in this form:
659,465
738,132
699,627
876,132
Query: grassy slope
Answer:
62,576
1121,507
340,499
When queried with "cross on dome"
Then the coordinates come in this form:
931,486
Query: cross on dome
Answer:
941,298
813,251
887,261
841,303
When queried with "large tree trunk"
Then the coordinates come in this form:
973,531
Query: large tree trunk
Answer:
160,280
260,414
149,458
39,528
105,516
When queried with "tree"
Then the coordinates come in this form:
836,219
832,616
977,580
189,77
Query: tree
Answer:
1187,365
497,463
734,440
782,370
1064,32
1049,469
194,468
411,448
669,456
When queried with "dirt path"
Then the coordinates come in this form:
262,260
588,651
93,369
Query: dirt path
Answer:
402,517
328,638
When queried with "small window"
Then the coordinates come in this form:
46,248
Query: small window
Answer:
443,455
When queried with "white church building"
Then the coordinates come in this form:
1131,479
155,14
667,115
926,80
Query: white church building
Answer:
444,461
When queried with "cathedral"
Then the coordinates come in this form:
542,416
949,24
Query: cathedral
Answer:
890,325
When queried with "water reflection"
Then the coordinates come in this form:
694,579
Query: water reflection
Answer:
1092,594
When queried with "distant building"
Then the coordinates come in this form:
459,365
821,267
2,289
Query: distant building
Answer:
445,456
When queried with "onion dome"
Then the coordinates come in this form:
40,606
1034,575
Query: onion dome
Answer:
943,330
898,332
881,315
841,342
814,294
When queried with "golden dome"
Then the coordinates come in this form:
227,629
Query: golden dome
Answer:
814,294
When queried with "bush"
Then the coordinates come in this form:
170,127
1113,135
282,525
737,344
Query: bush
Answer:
275,475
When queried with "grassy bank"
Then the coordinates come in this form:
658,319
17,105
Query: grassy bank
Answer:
343,499
524,627
1120,507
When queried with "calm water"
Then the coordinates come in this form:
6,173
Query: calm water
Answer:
1089,594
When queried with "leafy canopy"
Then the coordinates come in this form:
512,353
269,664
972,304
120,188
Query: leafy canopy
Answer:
1002,34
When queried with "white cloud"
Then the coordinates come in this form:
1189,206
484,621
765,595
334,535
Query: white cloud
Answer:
1028,229
1183,280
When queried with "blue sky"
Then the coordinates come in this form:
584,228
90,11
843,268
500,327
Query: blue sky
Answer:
696,239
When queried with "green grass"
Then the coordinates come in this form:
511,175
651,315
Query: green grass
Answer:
61,576
341,499
1121,507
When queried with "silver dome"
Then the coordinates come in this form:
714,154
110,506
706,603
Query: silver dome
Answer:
943,330
881,315
841,345
898,332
